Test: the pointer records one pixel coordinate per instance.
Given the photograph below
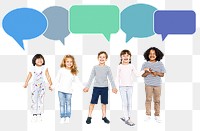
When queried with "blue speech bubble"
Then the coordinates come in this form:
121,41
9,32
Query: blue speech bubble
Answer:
57,23
174,22
23,24
137,21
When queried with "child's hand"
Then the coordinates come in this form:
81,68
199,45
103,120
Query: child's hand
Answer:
86,89
50,88
25,85
154,73
147,69
114,90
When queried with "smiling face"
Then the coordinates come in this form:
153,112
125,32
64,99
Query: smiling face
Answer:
68,63
102,59
39,62
152,55
125,58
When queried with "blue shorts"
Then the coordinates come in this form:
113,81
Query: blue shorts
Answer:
100,91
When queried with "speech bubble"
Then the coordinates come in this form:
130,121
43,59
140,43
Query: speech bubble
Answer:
57,23
23,24
174,22
94,19
137,21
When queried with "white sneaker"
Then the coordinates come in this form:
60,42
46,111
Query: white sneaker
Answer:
157,118
39,118
147,118
34,118
67,120
62,120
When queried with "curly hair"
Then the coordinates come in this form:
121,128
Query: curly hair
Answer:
74,69
159,54
37,56
123,52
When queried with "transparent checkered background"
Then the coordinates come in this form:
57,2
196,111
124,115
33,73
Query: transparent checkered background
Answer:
180,99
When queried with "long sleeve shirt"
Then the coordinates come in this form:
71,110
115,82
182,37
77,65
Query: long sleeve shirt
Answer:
65,79
101,74
125,75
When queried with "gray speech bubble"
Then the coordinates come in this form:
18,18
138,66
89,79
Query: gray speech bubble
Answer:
57,28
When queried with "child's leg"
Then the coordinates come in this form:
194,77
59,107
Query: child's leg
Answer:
103,110
156,97
104,100
149,93
62,100
34,100
91,108
129,100
68,105
41,100
123,94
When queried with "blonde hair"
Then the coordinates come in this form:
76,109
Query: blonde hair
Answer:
74,69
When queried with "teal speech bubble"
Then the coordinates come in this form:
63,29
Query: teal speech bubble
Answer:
94,19
137,21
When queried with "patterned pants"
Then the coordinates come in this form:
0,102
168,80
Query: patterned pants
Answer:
37,100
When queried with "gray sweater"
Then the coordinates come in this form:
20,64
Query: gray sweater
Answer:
100,73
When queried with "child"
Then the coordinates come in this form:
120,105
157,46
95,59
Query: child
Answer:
152,80
38,71
67,74
124,81
100,73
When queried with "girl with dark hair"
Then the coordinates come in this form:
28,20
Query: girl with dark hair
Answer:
152,80
38,71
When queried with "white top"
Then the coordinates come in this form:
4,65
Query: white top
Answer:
39,69
125,75
65,79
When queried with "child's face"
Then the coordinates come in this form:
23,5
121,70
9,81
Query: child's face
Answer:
68,63
125,58
152,55
102,58
39,62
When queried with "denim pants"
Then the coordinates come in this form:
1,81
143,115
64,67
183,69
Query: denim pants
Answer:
126,96
65,104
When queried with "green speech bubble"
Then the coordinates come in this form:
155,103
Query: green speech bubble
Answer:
94,19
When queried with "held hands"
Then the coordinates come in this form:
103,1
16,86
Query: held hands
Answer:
86,89
114,90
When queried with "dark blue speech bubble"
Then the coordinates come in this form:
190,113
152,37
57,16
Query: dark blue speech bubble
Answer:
174,22
24,23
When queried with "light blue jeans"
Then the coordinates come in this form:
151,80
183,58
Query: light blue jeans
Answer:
126,96
65,104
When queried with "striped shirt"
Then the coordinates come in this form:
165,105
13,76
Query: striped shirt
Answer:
151,80
101,74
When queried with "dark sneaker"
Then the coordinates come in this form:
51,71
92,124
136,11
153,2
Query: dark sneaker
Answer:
106,120
88,121
123,119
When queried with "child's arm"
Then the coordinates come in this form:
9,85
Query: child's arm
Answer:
146,73
48,78
27,79
117,77
160,74
114,89
92,75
